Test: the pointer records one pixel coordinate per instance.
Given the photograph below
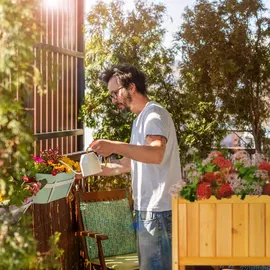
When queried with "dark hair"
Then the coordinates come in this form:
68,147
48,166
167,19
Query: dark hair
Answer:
126,74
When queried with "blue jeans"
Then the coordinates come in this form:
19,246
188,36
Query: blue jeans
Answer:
154,240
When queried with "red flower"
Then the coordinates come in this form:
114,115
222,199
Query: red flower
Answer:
204,191
222,163
209,177
266,189
54,172
264,166
225,191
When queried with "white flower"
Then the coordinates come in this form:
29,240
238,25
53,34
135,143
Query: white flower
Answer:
192,150
232,177
206,161
243,157
196,174
176,189
257,158
190,166
262,174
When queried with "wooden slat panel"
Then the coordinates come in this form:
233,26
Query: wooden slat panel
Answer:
224,261
207,230
240,230
234,199
267,227
175,223
256,230
182,233
193,230
224,230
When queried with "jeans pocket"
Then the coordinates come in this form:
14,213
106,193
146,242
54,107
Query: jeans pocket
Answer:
146,216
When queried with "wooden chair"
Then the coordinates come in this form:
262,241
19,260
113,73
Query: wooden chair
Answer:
106,215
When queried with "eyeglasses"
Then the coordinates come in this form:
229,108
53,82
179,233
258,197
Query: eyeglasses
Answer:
114,93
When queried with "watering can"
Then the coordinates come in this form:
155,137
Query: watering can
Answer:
89,163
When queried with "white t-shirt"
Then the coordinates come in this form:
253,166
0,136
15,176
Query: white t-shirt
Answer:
151,182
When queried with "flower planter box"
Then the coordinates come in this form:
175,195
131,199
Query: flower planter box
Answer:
58,187
221,232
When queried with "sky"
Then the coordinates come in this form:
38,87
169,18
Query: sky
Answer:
175,9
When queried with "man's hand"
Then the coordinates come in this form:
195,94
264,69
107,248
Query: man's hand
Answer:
103,147
152,152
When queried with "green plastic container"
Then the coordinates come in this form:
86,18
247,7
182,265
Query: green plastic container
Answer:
57,187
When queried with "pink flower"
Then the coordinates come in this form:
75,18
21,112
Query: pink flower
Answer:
215,154
34,187
38,159
28,179
25,178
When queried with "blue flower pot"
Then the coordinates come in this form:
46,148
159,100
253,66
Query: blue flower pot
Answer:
57,187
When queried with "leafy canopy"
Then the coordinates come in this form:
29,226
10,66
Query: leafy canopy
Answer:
115,35
225,60
18,33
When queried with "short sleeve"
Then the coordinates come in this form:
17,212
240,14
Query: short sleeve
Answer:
156,122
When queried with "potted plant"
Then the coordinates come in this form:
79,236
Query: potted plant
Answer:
220,212
29,187
58,171
223,177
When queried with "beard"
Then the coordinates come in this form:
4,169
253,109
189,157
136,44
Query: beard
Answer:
124,106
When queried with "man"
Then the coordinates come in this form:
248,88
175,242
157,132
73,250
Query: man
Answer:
152,157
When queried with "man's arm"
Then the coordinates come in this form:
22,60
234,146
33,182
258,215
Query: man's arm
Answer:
152,152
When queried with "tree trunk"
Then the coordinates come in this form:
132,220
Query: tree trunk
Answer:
257,134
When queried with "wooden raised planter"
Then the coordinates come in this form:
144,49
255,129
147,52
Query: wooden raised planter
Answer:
221,232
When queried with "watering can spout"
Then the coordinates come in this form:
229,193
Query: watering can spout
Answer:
89,163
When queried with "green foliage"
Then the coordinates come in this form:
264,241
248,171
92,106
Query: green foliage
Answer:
109,183
18,33
17,245
225,49
202,129
50,260
115,35
189,192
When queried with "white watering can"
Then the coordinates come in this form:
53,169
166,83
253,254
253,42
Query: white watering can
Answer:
89,163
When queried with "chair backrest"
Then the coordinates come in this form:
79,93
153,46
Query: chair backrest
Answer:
109,213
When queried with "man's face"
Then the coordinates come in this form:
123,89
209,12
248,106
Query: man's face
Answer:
119,95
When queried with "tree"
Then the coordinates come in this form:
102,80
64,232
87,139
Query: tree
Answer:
116,35
226,61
